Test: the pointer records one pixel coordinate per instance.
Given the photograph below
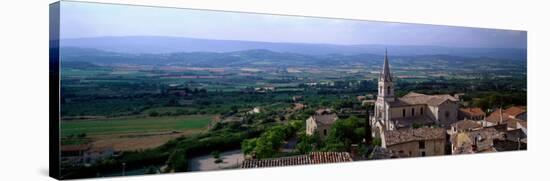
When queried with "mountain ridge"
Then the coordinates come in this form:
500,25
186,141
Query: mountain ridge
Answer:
164,45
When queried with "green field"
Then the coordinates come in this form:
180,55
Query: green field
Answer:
135,125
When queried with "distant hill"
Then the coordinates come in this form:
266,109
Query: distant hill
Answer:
163,45
75,57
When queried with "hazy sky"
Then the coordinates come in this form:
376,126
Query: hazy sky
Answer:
91,20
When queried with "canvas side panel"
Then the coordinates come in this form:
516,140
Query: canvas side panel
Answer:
54,90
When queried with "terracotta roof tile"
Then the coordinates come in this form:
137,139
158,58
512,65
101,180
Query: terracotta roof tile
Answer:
514,111
408,135
311,158
414,98
472,111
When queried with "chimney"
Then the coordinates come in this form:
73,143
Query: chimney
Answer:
500,121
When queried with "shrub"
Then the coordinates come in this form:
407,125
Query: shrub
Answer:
153,114
377,142
177,161
216,154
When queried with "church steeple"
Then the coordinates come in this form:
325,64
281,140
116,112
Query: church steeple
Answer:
385,75
385,82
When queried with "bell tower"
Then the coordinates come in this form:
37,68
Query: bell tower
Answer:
385,83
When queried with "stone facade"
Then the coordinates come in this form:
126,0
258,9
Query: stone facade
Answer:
416,142
411,110
414,149
321,122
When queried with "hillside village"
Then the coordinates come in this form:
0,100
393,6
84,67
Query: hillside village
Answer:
416,125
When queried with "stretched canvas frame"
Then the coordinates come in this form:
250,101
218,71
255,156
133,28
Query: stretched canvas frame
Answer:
147,90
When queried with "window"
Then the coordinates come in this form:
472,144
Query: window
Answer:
447,114
412,111
410,153
421,111
403,112
325,132
380,90
389,90
423,153
421,145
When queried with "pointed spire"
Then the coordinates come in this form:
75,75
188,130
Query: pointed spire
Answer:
385,75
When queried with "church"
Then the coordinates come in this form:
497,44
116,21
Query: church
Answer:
411,110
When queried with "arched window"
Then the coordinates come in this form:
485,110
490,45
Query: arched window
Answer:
380,90
389,90
421,111
447,114
412,111
403,112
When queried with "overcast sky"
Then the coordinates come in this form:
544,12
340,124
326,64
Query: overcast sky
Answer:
80,20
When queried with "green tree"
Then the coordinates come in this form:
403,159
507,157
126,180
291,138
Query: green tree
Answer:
269,142
177,161
343,133
376,142
306,142
248,146
153,114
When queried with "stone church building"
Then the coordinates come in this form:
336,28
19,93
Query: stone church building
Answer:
411,110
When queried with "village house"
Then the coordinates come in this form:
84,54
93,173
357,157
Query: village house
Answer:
516,112
307,159
475,114
415,142
321,122
411,110
510,117
464,125
264,89
475,141
379,153
298,106
255,110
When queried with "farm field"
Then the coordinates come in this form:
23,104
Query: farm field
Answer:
140,125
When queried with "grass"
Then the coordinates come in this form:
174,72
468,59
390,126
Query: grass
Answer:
135,125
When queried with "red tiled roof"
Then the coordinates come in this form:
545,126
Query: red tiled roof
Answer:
514,111
506,119
311,158
472,111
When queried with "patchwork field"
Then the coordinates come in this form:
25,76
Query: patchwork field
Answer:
135,133
135,125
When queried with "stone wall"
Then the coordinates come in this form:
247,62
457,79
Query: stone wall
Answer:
431,148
